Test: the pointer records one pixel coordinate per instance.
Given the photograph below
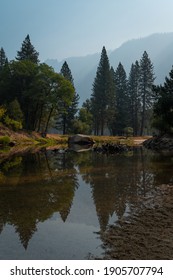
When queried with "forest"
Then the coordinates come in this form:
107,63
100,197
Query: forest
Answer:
36,98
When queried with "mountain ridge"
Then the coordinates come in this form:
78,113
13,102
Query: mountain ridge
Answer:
159,47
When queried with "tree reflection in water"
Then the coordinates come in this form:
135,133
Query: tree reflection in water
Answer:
34,186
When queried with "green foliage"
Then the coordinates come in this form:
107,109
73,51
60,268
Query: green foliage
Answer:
15,125
5,140
128,131
163,108
83,123
14,111
80,127
2,112
11,123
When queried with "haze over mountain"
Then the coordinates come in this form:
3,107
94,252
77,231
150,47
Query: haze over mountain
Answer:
158,46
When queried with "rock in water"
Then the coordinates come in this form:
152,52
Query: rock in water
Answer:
80,139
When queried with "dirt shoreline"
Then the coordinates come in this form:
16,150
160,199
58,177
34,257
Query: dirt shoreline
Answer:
146,235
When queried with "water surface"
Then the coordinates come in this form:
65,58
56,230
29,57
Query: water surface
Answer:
54,203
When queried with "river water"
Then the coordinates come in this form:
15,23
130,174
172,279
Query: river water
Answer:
54,203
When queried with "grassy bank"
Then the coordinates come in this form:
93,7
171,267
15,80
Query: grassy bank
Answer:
9,137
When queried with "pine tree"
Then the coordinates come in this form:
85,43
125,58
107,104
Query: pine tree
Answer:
133,89
145,87
122,100
163,108
111,108
101,94
68,113
28,51
66,72
3,58
5,74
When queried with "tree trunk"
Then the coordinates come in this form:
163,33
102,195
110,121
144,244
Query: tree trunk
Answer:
48,119
39,121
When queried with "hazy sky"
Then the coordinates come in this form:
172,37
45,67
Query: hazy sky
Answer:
63,28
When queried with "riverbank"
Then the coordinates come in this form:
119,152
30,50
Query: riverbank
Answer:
159,143
147,233
12,138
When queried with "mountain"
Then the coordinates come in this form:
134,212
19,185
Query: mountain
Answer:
158,46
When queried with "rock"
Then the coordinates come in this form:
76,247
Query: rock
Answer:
159,143
80,139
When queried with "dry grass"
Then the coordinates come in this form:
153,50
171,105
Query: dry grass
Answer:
120,139
24,137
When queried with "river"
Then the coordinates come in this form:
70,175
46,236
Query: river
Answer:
58,203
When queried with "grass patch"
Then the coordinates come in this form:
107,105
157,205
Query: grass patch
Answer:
113,139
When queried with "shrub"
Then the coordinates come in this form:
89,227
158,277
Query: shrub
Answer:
15,125
128,131
2,112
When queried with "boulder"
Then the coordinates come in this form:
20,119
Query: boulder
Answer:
80,139
159,143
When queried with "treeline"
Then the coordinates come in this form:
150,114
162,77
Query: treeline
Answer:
35,97
132,105
122,104
32,95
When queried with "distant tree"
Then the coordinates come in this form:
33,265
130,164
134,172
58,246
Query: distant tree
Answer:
101,94
163,108
122,100
83,122
68,112
146,81
134,98
66,72
28,51
3,58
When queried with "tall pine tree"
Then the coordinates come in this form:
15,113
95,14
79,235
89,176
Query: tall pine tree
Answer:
101,94
68,112
145,87
134,102
122,100
28,51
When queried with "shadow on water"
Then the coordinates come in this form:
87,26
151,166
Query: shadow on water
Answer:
35,186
